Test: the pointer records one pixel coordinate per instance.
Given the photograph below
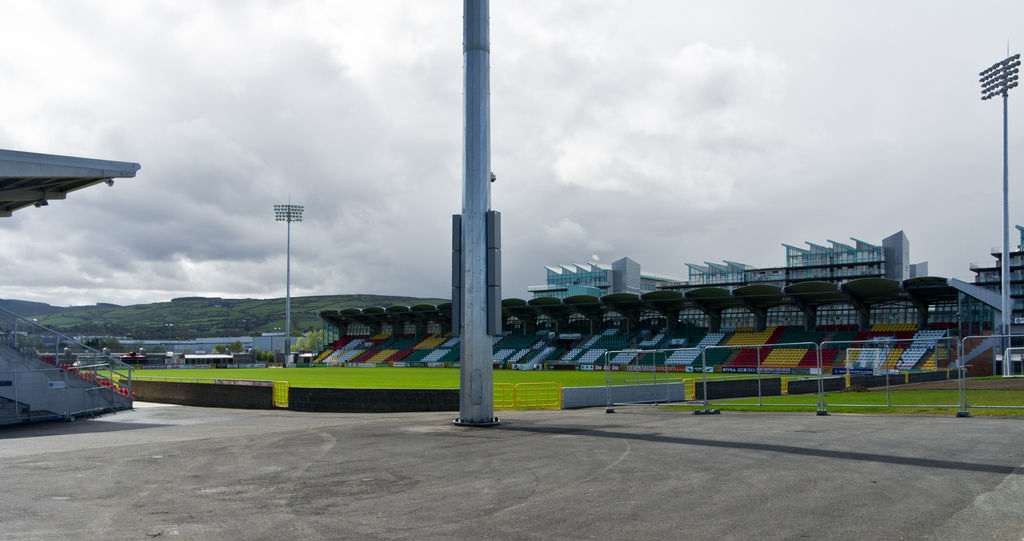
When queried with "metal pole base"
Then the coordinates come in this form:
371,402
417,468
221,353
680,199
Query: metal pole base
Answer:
822,412
609,410
706,412
963,414
462,422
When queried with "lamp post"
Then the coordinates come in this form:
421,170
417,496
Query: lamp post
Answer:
997,80
288,213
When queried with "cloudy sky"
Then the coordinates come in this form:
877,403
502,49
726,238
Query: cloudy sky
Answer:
667,131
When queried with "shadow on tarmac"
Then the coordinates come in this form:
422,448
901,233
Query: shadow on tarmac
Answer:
61,427
786,449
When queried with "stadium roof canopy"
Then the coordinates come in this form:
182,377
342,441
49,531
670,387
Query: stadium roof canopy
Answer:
27,178
865,291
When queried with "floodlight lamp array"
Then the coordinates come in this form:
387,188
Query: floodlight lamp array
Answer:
1000,77
288,213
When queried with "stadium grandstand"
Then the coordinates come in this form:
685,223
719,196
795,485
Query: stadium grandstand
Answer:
732,317
43,387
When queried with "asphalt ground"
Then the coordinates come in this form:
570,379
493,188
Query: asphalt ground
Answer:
183,473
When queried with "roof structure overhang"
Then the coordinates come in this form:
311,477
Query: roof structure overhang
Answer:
930,289
519,308
760,295
873,290
28,178
866,291
624,303
816,293
712,298
588,305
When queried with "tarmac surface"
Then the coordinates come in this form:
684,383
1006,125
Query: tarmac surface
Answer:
184,473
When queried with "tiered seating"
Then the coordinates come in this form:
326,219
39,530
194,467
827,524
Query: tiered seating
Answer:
517,341
345,355
894,327
683,338
519,355
441,355
787,357
865,336
841,339
538,356
715,357
624,357
749,357
750,338
572,354
401,342
828,358
796,334
611,341
433,341
380,356
594,348
332,359
865,358
652,342
344,340
875,358
417,355
348,342
591,356
924,341
688,356
837,328
503,354
399,356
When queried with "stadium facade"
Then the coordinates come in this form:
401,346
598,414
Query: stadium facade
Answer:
597,279
989,276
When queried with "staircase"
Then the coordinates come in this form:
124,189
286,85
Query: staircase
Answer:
33,390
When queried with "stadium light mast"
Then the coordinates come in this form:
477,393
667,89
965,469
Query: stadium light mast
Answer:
997,80
288,213
476,233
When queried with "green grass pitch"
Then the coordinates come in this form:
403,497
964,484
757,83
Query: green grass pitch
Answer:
402,378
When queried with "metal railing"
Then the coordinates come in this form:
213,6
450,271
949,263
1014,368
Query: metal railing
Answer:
81,391
945,356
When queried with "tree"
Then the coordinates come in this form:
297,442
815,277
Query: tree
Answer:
234,347
108,342
310,340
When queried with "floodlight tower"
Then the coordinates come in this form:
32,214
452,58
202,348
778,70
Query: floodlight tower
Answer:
476,233
997,80
288,213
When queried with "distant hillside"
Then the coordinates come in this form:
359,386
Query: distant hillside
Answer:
28,308
193,317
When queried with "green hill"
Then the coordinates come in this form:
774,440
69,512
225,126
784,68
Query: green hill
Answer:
193,317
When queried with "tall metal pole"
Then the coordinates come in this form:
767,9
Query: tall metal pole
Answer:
476,385
288,296
1005,271
997,80
288,213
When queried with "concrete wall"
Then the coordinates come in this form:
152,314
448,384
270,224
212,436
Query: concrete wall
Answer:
373,400
834,383
584,397
214,395
737,388
810,386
